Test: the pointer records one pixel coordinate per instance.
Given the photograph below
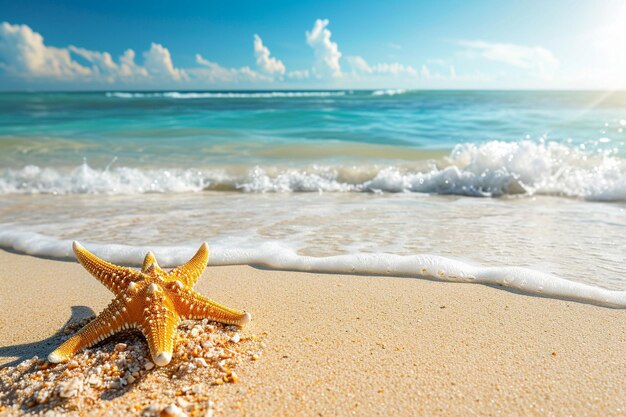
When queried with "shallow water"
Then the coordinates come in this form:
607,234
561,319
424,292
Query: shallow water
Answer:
525,179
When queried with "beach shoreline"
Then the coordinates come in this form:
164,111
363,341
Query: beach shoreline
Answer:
366,345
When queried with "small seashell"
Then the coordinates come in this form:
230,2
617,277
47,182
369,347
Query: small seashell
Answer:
200,362
221,365
148,365
236,338
172,410
197,389
42,397
232,377
93,379
121,347
182,403
71,388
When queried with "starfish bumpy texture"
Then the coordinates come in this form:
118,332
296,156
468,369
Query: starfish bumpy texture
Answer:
151,300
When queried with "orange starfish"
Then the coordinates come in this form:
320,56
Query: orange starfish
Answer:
151,300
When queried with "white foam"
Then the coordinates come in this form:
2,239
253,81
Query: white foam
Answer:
490,169
389,92
192,95
87,180
277,256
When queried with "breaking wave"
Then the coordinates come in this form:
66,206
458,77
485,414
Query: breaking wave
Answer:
490,169
389,92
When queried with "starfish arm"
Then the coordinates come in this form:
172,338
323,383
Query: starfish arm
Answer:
115,278
111,320
189,273
159,327
192,305
150,261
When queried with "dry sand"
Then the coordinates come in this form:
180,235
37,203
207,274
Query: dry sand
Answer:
362,345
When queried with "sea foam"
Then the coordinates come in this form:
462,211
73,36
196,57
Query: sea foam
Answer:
389,92
192,95
490,169
277,256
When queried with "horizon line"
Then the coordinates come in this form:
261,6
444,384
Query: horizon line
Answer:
115,90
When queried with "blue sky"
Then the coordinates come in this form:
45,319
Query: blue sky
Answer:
83,45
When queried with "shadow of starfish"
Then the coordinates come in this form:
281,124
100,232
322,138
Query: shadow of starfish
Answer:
43,347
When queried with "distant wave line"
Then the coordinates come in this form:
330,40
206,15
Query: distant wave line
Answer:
258,94
192,95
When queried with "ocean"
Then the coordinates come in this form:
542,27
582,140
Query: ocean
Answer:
520,189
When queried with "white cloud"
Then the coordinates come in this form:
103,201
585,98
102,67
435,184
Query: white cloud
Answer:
25,60
360,66
264,61
536,59
394,68
102,64
158,62
24,54
327,53
128,69
102,60
214,72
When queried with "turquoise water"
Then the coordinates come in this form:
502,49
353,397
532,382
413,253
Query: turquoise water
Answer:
488,143
294,179
200,129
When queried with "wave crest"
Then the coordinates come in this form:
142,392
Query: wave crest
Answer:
87,180
389,92
489,169
192,95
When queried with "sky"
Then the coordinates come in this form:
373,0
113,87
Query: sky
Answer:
319,44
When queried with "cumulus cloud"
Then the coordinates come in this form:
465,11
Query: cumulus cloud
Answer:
358,65
102,64
327,53
264,61
214,72
24,54
128,69
158,62
535,59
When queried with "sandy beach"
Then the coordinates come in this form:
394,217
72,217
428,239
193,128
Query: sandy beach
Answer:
424,218
364,345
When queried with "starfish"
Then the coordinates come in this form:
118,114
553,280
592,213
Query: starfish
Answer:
151,300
